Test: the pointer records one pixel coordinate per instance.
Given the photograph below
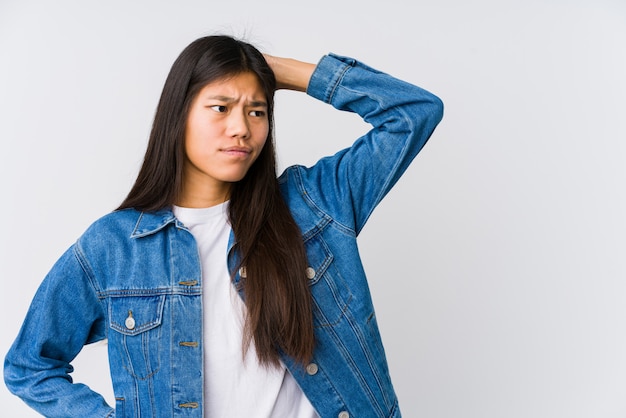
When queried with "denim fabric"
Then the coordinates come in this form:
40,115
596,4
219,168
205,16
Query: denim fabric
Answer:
135,279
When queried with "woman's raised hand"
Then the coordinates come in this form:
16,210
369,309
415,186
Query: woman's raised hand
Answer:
290,74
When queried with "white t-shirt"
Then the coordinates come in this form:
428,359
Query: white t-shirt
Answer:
234,386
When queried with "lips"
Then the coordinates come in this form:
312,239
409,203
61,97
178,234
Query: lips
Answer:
237,151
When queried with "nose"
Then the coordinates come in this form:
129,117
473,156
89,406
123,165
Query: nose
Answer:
238,125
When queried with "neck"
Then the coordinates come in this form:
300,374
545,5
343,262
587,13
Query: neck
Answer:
203,197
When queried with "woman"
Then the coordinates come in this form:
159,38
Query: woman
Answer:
222,289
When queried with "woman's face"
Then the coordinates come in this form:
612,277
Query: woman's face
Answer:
227,127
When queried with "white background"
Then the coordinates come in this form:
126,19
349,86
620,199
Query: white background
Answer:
497,264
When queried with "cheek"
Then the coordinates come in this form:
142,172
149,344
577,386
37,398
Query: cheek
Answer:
260,145
260,136
199,138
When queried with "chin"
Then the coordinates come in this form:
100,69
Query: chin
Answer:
234,178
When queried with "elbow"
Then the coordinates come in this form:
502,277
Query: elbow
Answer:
424,112
422,119
425,115
436,110
19,379
432,114
12,376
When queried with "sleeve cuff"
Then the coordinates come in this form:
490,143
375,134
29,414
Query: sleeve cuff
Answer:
328,75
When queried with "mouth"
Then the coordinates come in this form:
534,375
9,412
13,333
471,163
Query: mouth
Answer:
237,151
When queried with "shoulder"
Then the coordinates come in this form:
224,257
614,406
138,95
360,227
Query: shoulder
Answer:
121,222
126,224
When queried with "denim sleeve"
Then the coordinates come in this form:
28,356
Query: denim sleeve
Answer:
349,184
64,315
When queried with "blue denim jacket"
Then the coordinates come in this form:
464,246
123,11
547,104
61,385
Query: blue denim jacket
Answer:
134,278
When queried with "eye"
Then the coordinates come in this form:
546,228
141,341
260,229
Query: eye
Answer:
257,113
219,108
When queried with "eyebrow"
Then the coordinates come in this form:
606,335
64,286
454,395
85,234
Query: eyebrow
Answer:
254,103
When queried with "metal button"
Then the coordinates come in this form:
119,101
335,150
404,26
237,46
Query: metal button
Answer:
312,369
130,321
344,414
242,272
310,272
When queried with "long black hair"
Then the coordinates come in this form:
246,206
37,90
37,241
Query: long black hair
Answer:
268,241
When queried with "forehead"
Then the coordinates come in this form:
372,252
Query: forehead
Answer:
241,85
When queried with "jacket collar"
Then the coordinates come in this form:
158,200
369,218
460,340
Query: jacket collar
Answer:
152,222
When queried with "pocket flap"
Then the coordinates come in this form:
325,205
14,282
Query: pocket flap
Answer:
319,258
132,315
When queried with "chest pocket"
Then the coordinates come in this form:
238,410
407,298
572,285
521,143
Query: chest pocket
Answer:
331,295
137,321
